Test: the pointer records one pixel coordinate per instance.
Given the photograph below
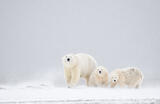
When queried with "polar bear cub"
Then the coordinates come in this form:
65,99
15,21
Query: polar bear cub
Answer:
131,76
77,66
99,77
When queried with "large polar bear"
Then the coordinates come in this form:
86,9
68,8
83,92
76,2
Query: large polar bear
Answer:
131,76
99,77
76,66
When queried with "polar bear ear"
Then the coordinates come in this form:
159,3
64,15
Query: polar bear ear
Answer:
132,69
67,55
62,58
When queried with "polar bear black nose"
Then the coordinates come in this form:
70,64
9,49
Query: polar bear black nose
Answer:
68,59
114,80
100,72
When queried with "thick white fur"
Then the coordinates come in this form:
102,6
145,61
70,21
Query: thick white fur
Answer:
131,76
99,79
80,65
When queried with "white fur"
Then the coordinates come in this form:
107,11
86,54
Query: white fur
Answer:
80,65
131,76
98,79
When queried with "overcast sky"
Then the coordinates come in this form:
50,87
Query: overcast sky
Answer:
35,34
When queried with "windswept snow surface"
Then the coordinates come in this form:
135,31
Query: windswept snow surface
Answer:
48,94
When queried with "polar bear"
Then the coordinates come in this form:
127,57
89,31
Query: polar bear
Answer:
77,66
130,76
99,77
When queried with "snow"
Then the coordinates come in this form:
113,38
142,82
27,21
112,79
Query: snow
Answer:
47,93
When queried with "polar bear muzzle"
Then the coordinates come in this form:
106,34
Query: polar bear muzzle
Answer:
68,59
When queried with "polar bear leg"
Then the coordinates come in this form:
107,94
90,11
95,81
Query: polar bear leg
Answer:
121,84
138,84
131,86
93,84
67,75
75,76
87,80
106,83
113,85
90,83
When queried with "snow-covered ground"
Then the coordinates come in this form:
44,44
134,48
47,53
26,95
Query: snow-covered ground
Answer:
45,93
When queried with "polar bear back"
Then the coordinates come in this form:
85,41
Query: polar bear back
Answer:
132,75
86,64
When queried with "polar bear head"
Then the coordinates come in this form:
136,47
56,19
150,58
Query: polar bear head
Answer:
101,71
114,78
69,60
